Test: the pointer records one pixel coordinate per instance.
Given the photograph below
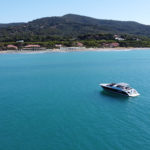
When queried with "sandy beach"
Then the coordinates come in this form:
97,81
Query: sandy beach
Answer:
59,50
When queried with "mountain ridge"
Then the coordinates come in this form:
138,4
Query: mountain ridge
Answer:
70,26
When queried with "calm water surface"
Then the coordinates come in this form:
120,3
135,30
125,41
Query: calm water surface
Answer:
52,101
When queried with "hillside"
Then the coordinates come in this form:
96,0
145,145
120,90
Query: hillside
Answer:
2,25
68,26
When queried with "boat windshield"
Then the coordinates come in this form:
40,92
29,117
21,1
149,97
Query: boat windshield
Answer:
123,84
112,84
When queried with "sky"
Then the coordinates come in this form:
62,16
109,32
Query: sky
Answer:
28,10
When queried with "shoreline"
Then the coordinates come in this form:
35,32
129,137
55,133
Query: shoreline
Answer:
79,50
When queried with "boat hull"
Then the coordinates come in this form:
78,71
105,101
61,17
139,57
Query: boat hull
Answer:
114,91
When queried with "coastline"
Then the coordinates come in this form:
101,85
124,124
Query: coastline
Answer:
79,50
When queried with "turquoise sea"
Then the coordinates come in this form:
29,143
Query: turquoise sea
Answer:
52,101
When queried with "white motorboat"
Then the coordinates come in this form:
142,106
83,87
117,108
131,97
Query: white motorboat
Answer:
120,88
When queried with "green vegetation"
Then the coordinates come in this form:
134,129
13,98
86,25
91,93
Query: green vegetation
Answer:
86,43
70,29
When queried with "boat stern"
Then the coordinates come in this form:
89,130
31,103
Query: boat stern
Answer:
133,93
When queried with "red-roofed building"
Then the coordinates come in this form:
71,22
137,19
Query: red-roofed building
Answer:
12,47
114,44
32,47
111,45
79,44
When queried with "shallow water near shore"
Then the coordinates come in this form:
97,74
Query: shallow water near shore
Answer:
52,101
